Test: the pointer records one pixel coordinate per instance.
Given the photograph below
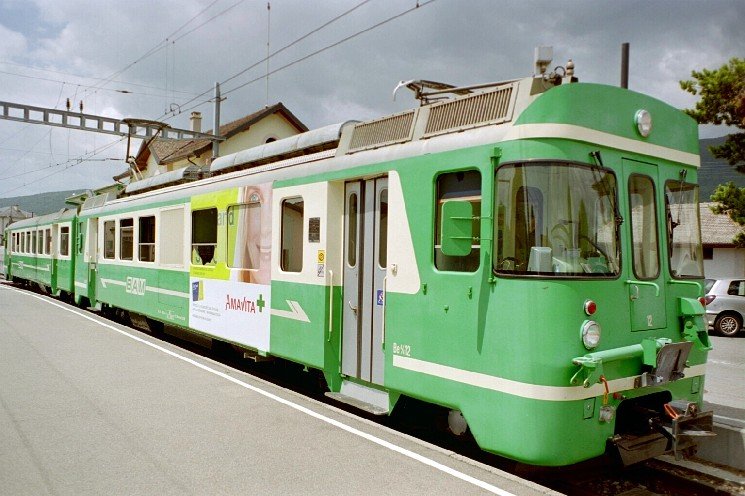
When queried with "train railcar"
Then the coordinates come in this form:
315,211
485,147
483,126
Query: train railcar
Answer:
39,251
526,254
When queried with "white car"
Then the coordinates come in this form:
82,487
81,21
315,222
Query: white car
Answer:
725,305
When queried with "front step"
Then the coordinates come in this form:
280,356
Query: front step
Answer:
365,398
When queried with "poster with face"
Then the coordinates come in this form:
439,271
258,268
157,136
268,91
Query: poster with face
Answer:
250,235
231,298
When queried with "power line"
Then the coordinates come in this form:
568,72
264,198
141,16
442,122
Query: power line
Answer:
295,42
328,47
306,57
68,164
39,78
125,83
160,45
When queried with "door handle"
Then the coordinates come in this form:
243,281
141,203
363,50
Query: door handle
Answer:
354,308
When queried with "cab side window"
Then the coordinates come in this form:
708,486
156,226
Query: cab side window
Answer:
463,186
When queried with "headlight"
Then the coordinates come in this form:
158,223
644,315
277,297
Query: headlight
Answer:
590,334
643,120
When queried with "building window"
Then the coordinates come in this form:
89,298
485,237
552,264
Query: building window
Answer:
203,236
126,239
708,253
109,239
463,186
293,214
64,241
146,242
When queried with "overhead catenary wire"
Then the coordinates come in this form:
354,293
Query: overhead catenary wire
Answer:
301,59
160,45
80,76
269,56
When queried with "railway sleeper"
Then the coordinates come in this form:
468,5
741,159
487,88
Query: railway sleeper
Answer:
652,425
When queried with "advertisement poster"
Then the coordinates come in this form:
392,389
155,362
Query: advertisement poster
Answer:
232,310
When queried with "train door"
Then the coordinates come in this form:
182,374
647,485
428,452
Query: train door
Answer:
91,258
646,282
54,259
365,261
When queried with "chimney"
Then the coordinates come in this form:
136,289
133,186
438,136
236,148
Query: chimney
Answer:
196,122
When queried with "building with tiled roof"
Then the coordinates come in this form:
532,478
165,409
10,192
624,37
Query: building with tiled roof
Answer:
265,125
722,258
11,214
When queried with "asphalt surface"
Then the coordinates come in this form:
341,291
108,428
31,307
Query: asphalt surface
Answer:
724,389
91,407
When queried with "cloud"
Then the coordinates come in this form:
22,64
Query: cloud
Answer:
451,41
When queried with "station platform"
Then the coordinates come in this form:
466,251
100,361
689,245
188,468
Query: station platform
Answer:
88,406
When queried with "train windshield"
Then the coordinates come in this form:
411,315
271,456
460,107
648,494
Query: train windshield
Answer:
556,220
683,230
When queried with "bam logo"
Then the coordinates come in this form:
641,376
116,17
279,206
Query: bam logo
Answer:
135,286
197,291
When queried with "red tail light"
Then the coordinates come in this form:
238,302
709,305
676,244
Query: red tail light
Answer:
707,299
590,307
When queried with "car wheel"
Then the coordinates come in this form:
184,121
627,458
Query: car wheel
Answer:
728,325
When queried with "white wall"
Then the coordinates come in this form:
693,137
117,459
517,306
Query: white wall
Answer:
726,262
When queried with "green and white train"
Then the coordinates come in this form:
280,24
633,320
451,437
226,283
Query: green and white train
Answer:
526,254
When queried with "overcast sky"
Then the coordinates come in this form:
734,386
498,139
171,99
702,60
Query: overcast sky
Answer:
51,50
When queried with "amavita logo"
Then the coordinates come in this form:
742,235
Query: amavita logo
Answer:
244,304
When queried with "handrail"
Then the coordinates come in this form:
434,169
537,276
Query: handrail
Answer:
331,304
691,283
645,283
385,297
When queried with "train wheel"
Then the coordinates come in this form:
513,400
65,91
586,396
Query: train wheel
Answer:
457,423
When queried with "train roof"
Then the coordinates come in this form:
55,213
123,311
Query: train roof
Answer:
478,115
62,215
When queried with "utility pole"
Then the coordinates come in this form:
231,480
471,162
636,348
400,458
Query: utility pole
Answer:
216,124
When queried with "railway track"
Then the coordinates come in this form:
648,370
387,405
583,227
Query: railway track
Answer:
597,477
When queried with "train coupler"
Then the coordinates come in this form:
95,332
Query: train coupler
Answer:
685,425
676,430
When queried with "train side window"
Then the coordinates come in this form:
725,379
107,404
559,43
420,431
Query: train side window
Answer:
383,229
172,246
644,241
64,241
109,239
293,215
80,238
126,239
244,235
47,241
683,230
203,236
146,241
464,186
352,208
34,242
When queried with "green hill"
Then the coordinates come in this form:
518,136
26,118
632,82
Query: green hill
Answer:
43,203
715,171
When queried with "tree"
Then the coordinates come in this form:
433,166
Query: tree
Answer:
723,102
